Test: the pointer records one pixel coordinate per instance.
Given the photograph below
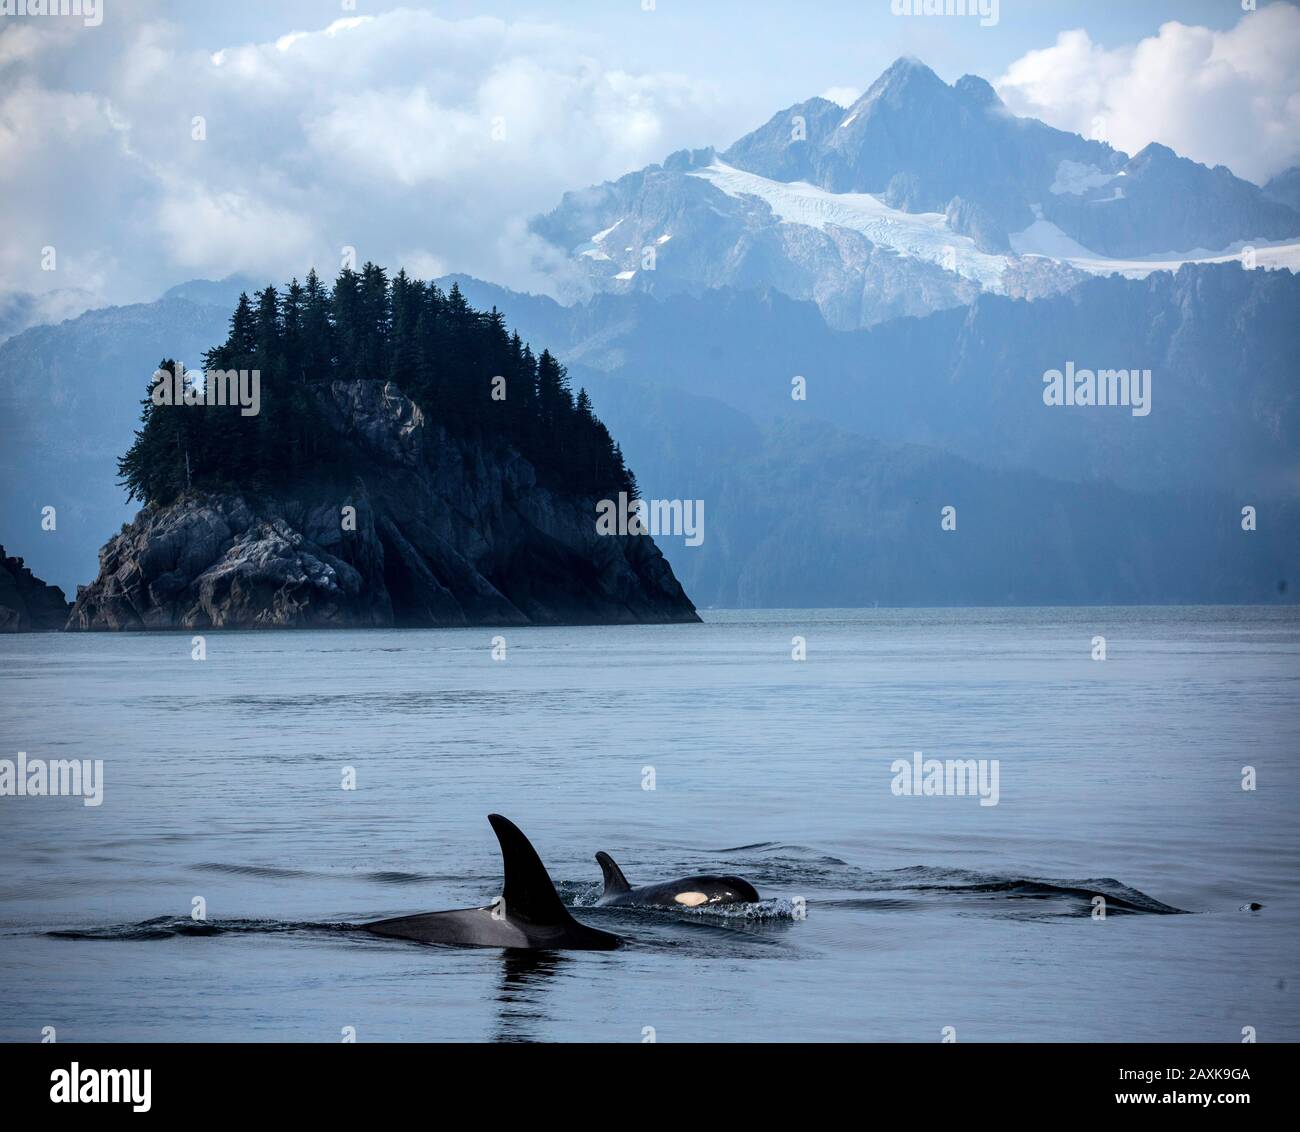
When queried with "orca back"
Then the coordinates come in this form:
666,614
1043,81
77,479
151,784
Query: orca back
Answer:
534,917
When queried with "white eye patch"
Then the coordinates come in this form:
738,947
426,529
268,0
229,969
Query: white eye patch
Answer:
691,899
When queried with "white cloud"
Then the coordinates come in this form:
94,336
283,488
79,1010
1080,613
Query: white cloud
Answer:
429,142
844,96
230,231
402,135
20,41
1220,97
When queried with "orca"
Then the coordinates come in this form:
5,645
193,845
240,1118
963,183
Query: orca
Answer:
688,892
529,916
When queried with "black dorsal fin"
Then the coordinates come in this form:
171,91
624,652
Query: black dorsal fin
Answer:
528,892
615,881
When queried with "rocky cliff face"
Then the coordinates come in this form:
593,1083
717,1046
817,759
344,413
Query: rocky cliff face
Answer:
434,530
26,603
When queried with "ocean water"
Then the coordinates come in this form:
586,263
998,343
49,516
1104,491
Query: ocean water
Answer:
884,917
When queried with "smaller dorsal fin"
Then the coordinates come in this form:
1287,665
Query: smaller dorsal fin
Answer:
615,881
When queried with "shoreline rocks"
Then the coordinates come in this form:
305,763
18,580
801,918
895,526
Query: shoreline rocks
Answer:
27,604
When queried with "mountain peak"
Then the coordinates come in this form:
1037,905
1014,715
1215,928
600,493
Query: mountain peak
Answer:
907,64
1154,151
977,90
905,83
906,73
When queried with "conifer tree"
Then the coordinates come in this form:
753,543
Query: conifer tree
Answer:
432,344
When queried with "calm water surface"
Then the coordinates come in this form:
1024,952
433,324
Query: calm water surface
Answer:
223,780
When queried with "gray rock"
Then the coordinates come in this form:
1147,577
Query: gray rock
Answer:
26,603
446,532
973,220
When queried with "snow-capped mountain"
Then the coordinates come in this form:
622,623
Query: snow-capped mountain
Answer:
918,197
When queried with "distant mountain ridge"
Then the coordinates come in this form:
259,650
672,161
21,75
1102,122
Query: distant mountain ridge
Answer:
69,403
900,420
1285,187
1219,341
836,500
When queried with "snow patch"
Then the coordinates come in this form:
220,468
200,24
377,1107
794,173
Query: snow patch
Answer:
920,235
592,249
1076,178
1045,240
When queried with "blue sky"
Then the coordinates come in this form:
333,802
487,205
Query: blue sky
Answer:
777,52
787,46
179,141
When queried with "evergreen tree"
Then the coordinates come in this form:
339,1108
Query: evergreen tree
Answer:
317,332
438,349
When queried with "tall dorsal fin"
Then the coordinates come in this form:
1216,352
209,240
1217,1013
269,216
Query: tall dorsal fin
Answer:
615,881
528,892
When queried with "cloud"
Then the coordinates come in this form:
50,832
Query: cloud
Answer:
844,96
231,232
429,142
415,140
1220,97
20,41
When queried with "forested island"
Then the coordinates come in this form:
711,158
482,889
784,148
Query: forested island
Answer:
375,453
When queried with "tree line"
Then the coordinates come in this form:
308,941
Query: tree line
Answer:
464,367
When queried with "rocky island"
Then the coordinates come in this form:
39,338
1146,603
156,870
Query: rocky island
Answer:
28,605
459,488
